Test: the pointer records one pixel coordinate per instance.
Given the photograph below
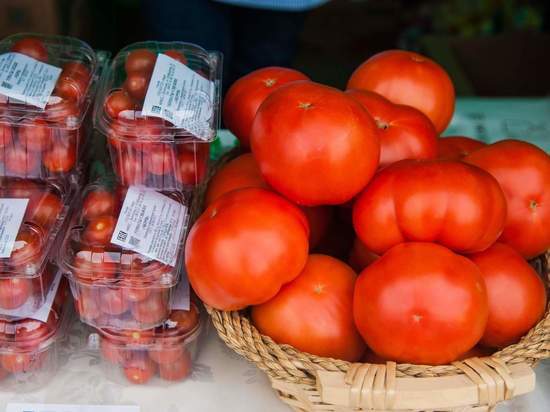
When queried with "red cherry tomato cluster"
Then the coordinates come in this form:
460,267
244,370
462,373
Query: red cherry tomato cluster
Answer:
167,350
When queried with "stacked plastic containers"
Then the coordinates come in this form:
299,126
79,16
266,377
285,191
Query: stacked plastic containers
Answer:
47,85
158,108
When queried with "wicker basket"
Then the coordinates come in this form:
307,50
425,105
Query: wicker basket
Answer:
311,383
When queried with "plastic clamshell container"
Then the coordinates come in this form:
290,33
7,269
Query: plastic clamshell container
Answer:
29,347
114,287
47,143
27,274
149,150
162,355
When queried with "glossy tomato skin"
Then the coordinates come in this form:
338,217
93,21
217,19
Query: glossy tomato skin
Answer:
245,96
244,247
323,296
152,310
117,102
140,60
409,78
447,202
140,369
98,203
31,47
434,300
516,293
315,144
523,171
61,158
405,132
99,230
47,210
457,147
136,84
14,292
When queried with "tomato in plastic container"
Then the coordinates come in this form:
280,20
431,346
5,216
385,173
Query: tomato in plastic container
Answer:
159,107
29,346
45,142
119,285
161,355
27,267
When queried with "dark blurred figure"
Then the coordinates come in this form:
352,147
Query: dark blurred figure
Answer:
250,33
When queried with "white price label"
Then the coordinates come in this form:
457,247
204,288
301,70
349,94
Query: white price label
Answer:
183,97
26,79
151,224
182,298
11,216
43,407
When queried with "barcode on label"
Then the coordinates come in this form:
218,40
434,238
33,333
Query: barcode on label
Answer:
7,85
155,109
122,236
134,241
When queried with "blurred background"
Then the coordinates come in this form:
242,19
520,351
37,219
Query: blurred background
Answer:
489,47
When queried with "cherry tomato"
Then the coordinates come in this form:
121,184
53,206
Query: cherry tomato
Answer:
140,60
523,171
176,55
315,144
177,370
434,300
31,47
111,352
246,95
14,292
89,264
31,332
87,305
192,164
360,257
457,147
73,81
118,101
77,69
99,230
131,169
98,203
405,132
46,211
517,295
161,159
140,369
60,159
61,110
181,322
6,135
152,310
35,135
323,296
17,362
20,162
270,250
167,353
443,201
136,294
136,84
27,246
112,302
137,337
409,78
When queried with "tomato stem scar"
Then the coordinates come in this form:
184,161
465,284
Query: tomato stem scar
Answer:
533,204
305,106
270,82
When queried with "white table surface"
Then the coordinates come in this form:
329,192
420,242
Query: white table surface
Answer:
221,381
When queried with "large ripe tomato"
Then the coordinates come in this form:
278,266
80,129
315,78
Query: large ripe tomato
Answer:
409,78
31,47
246,95
244,247
140,60
405,132
315,144
98,203
457,147
421,303
448,202
523,171
517,295
239,173
322,295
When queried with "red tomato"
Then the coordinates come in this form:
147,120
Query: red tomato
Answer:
177,370
112,352
523,171
6,135
191,165
409,78
31,47
46,211
17,362
517,295
61,158
161,159
246,95
457,147
167,354
86,305
244,247
318,218
137,337
27,246
3,374
35,135
94,265
181,322
99,230
131,169
152,310
323,296
360,257
140,369
434,300
112,302
405,132
77,69
176,55
73,81
239,173
136,84
61,110
98,203
315,144
20,162
14,292
117,102
136,294
140,60
448,202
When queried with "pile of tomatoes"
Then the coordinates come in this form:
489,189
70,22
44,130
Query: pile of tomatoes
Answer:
167,350
47,143
441,228
148,150
113,287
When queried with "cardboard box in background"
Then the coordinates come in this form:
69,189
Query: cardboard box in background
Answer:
29,15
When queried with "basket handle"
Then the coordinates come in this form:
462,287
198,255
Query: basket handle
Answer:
485,382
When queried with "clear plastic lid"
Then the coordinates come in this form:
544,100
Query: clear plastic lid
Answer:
35,238
88,256
75,86
118,109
